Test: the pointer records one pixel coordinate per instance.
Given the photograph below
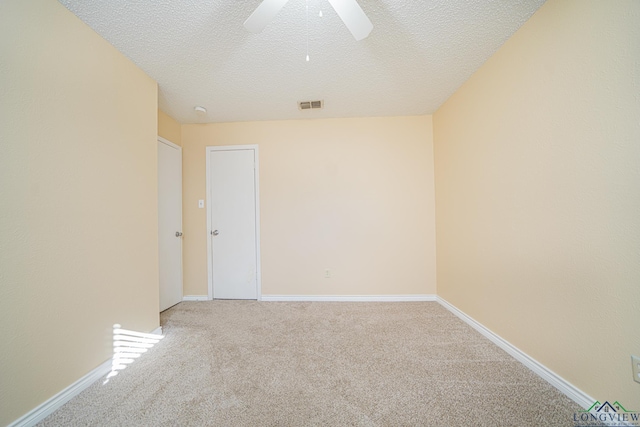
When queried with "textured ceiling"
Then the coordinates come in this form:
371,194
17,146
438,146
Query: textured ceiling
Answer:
198,51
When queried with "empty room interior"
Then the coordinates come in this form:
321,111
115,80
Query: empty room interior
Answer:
468,181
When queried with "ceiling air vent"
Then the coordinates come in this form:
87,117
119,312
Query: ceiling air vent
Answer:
310,105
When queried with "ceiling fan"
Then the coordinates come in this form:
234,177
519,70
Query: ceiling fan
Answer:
348,10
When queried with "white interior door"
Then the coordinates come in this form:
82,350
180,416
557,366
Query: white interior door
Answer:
233,221
169,223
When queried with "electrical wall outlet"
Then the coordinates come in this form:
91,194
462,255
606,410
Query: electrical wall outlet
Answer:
327,273
635,360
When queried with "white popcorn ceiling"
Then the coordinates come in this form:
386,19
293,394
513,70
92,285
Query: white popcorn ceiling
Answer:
417,55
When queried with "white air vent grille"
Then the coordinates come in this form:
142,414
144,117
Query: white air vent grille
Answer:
310,105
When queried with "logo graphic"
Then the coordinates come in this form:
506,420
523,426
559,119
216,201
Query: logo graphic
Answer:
606,414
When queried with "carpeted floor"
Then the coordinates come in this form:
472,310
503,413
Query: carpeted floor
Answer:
248,363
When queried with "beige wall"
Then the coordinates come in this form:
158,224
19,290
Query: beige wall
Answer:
351,195
538,194
78,192
169,128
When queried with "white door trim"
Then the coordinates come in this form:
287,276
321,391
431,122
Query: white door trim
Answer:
210,149
179,148
170,144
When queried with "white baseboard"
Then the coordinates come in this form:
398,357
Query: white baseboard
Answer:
41,412
47,408
564,386
350,298
195,298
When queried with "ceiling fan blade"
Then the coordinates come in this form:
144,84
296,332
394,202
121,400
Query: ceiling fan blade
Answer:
264,13
353,17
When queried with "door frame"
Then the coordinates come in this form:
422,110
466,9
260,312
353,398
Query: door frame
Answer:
179,148
256,177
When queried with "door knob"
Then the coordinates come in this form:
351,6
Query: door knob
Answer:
178,234
215,233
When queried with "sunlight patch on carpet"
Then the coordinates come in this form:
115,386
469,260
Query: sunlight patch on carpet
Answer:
128,346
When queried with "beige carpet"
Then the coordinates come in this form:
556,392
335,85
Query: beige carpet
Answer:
236,363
